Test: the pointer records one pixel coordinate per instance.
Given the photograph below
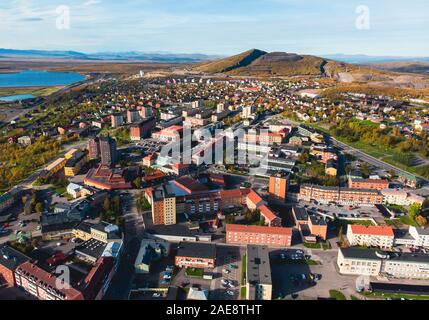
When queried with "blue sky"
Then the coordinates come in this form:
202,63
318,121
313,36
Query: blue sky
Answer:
397,27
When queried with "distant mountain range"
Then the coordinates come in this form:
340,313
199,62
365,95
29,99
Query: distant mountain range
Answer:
117,56
364,59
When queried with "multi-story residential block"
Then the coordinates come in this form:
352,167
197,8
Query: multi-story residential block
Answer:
278,186
108,151
401,197
196,255
117,120
44,285
318,226
374,184
132,116
420,235
55,167
74,164
371,236
344,196
146,112
258,273
370,262
258,235
163,205
170,134
142,129
93,147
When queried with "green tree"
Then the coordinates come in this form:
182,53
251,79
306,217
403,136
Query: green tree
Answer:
137,183
39,207
414,210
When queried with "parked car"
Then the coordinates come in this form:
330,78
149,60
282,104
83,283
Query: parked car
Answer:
226,271
156,295
229,292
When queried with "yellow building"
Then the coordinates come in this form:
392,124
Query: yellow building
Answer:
74,164
55,167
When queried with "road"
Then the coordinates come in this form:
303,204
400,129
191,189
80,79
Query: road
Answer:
364,156
371,160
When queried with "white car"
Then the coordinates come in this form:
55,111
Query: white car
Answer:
223,281
156,295
230,293
226,271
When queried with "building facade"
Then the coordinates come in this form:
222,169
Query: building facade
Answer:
258,235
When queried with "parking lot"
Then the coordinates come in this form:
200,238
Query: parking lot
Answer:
228,268
296,280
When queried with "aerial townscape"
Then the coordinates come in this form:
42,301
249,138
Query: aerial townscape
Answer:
256,176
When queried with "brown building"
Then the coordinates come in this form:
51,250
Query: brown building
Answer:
43,285
278,186
374,184
196,255
143,129
93,148
344,196
259,235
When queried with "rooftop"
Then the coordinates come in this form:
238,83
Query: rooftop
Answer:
258,265
372,230
11,258
197,250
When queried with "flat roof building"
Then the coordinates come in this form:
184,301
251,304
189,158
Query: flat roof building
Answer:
196,255
258,273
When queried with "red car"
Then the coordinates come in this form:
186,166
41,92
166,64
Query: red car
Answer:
7,225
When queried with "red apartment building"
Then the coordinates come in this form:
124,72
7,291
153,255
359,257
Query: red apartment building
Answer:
374,184
258,235
345,196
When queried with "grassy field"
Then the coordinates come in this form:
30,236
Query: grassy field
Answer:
243,270
35,91
337,295
194,272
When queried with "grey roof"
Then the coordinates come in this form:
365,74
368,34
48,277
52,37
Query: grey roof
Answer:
316,220
372,254
258,265
197,250
11,258
423,231
300,213
92,248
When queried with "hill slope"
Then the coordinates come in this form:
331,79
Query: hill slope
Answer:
260,63
230,63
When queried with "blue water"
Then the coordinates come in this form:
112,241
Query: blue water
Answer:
16,97
34,78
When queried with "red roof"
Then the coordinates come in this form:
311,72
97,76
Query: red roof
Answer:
258,229
234,193
267,213
254,197
43,278
373,230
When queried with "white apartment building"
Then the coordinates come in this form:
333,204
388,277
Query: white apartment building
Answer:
420,235
400,197
370,262
371,236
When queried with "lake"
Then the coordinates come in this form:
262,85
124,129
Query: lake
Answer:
36,78
16,97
